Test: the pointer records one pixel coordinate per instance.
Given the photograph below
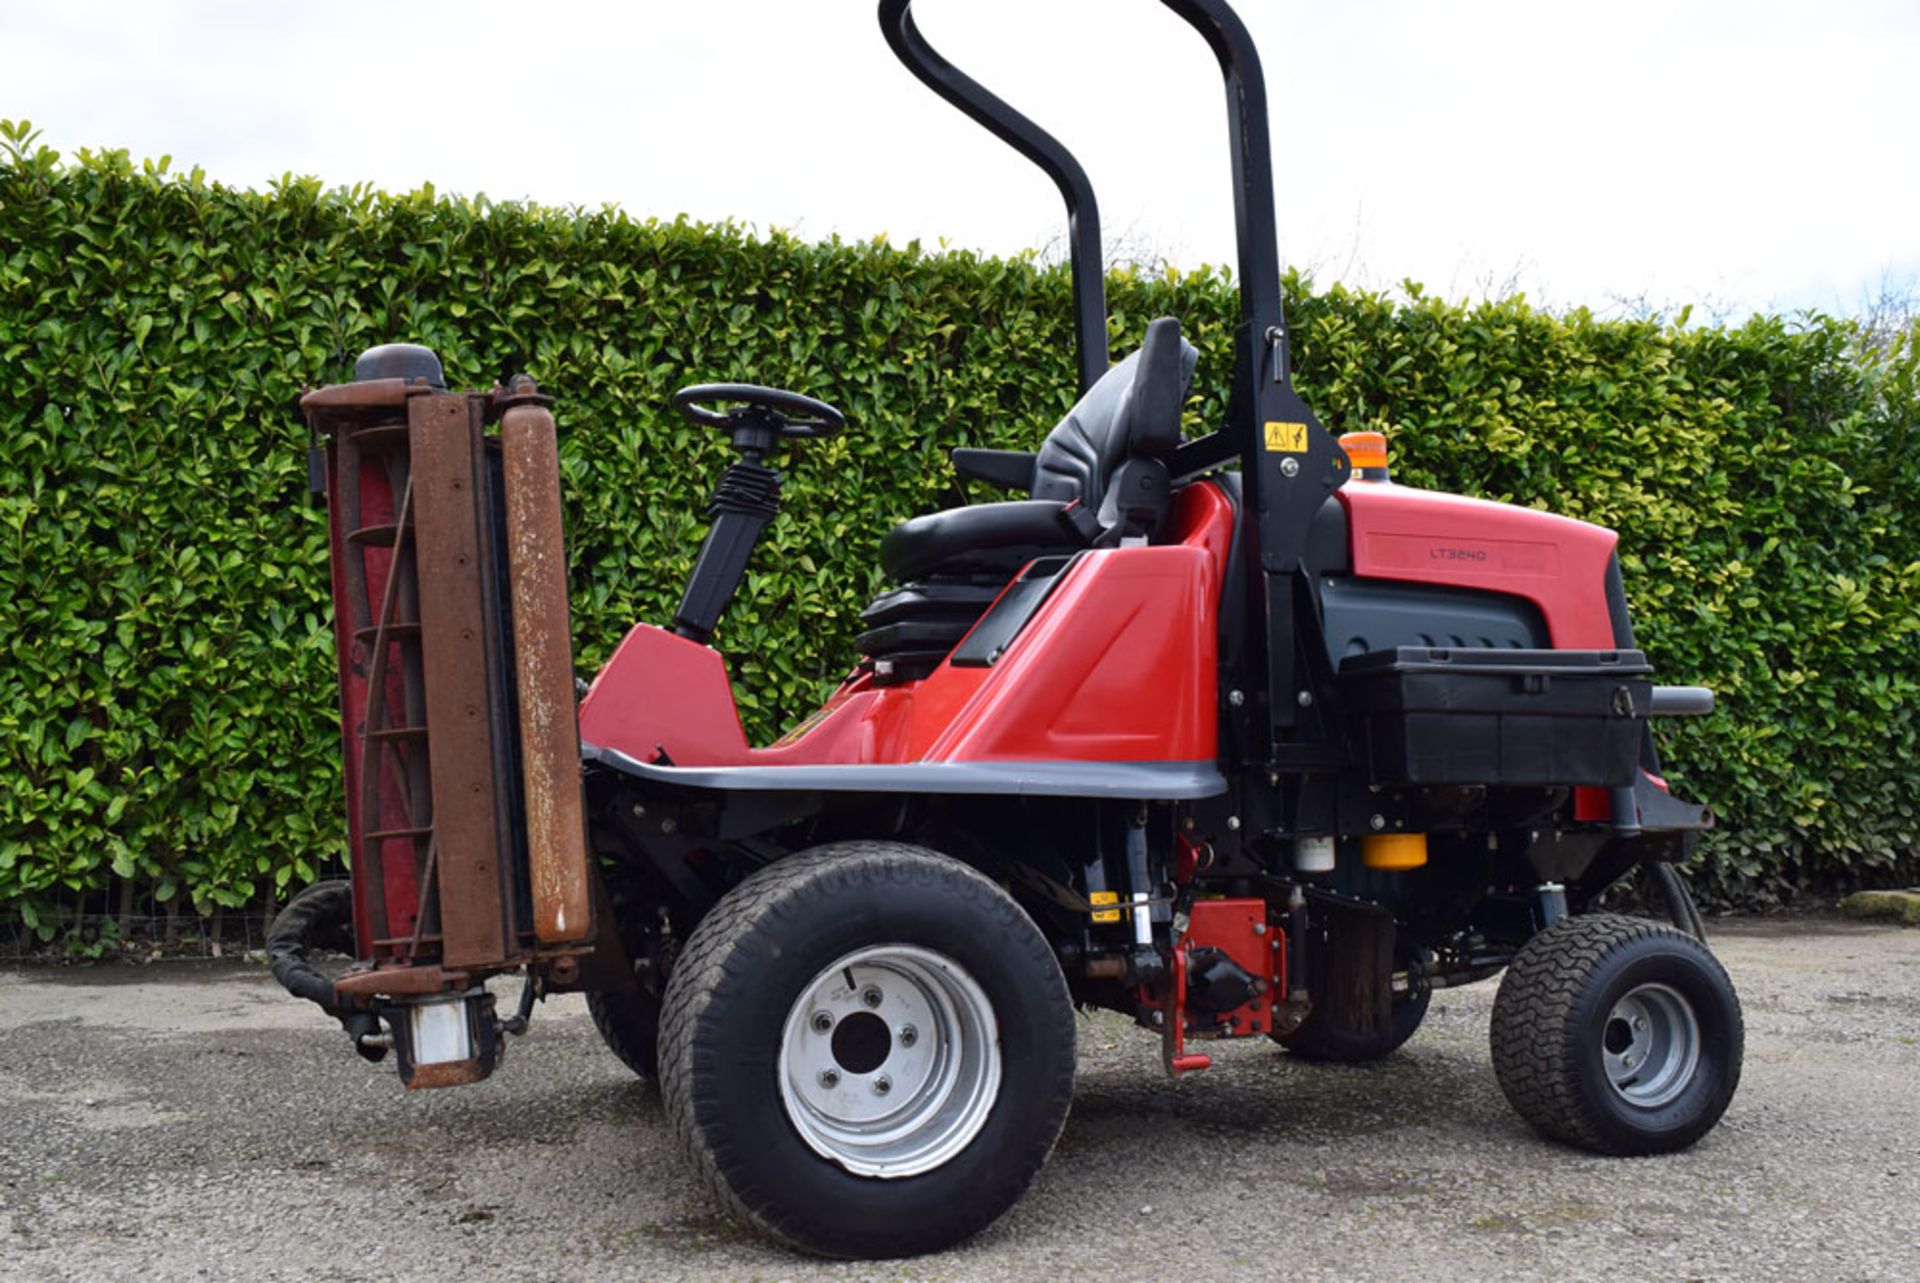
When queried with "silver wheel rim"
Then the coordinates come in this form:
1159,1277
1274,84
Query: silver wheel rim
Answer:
890,1061
1651,1045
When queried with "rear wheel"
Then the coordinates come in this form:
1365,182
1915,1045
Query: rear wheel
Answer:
628,1017
1353,952
867,1050
1617,1035
629,1023
1320,1037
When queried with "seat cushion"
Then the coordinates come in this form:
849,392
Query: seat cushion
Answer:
1133,411
985,538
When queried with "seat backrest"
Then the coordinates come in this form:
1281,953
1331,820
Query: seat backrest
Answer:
1132,412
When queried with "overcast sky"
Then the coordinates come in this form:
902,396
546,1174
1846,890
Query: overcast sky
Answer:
1734,156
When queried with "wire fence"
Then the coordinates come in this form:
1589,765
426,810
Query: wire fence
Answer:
137,938
87,935
126,922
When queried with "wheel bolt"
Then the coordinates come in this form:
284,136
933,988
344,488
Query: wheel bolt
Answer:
822,1021
882,1085
870,996
829,1078
1640,1023
908,1035
1627,1060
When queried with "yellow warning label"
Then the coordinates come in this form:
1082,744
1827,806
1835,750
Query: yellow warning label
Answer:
1289,438
1105,897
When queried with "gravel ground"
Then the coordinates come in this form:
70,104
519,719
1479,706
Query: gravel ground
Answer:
191,1122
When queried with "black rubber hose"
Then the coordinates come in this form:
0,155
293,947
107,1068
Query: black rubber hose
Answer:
1680,906
320,917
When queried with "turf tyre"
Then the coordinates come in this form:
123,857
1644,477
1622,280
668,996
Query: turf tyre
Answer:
732,993
1551,1026
1318,1038
629,1023
628,1018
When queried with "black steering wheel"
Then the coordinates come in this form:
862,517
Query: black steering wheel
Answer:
785,414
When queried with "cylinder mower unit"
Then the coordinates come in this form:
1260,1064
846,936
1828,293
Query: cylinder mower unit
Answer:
1232,735
457,704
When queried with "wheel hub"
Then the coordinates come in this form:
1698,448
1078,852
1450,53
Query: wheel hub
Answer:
1651,1045
890,1061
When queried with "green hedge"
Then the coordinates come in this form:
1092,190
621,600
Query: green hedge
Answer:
166,690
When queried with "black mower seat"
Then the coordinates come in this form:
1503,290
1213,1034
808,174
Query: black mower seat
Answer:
982,539
954,563
1133,412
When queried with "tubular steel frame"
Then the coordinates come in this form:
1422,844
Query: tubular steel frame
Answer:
1290,463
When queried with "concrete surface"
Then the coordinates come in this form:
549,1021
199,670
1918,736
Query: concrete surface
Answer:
190,1122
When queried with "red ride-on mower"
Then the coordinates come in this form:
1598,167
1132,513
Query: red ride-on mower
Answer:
1232,735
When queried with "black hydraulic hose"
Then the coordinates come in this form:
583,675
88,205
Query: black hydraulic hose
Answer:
1680,906
320,918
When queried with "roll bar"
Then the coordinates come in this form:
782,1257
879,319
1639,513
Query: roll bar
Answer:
1038,146
1289,461
1253,214
1255,231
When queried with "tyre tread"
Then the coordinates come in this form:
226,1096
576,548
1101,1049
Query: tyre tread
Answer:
708,960
1535,1018
628,1019
635,1049
1316,1041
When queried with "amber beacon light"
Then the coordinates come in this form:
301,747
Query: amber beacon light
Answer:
1367,451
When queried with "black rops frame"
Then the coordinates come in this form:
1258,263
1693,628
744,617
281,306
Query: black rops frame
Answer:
1289,462
1038,146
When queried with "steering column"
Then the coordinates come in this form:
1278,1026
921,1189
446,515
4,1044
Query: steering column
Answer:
748,494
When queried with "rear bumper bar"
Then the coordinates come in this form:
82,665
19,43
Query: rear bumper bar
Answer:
1681,701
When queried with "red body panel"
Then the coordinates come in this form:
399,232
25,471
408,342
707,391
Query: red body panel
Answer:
1555,562
1116,666
661,693
1422,537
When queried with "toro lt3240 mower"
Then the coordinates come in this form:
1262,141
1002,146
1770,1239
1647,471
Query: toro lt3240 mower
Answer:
1232,735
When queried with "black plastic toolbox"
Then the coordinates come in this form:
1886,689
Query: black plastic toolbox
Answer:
1431,715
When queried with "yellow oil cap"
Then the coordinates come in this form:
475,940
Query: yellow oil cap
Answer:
1391,851
1367,451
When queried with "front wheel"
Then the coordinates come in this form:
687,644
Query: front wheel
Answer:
1617,1035
867,1050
